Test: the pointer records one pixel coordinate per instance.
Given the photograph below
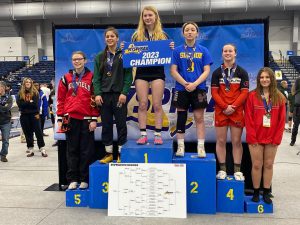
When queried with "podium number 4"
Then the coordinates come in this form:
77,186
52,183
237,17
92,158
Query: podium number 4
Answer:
194,190
77,199
230,194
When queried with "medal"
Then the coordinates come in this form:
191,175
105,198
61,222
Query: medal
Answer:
73,94
227,78
108,73
190,58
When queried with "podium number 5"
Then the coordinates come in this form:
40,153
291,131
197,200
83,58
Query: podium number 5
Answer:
105,187
260,209
77,199
230,194
194,190
146,157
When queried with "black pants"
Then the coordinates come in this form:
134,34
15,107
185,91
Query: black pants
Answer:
296,120
31,123
42,118
109,110
80,149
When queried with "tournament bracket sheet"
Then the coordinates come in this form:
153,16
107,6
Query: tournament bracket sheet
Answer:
147,190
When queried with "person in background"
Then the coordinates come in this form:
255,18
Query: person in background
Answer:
76,108
112,83
296,111
150,29
291,103
6,103
229,88
52,107
265,120
28,103
283,88
43,107
190,69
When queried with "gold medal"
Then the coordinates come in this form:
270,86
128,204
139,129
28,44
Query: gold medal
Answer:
73,94
108,73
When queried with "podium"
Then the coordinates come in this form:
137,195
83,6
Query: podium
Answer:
257,207
148,153
98,185
77,198
230,195
201,182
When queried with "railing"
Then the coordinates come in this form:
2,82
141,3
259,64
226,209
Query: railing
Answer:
12,58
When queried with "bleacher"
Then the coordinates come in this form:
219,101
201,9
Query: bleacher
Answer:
295,61
7,67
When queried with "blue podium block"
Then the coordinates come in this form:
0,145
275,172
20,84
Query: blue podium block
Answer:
77,198
257,207
230,195
149,153
201,182
98,185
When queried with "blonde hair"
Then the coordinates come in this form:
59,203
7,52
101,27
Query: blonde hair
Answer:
158,34
275,94
32,91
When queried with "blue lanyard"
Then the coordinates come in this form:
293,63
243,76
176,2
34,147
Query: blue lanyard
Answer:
189,56
110,61
75,86
268,107
226,78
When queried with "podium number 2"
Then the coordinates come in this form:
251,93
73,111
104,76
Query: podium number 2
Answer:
146,157
77,199
230,194
105,187
195,186
260,209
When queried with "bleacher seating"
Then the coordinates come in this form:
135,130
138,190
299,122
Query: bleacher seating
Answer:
295,61
7,67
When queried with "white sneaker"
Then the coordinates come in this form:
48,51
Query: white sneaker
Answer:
29,150
180,151
239,176
201,152
72,186
83,185
221,175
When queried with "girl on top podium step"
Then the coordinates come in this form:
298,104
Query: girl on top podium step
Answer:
191,67
229,89
150,29
265,120
112,83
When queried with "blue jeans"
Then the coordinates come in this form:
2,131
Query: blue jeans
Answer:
5,130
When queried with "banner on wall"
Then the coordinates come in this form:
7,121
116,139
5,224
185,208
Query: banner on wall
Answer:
147,53
248,38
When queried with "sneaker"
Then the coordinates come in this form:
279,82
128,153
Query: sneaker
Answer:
29,150
142,140
158,140
45,135
180,151
55,144
73,186
83,185
289,130
292,143
43,152
3,158
255,198
267,199
239,176
30,154
221,175
107,159
201,152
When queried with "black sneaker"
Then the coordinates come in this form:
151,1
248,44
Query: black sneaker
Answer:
292,143
3,158
267,198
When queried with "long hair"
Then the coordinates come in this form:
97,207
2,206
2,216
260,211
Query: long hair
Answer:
31,91
275,95
103,63
158,33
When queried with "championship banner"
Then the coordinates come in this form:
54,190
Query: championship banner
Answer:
147,53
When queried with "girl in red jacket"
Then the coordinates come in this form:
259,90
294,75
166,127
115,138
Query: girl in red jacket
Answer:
74,104
265,120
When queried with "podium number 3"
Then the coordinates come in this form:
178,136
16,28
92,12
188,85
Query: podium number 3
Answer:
105,187
77,199
146,157
230,194
194,190
260,209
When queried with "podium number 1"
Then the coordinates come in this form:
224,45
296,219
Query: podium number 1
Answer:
77,199
146,157
195,186
230,194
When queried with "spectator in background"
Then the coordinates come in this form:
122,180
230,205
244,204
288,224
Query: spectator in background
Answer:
8,89
285,91
46,90
52,107
5,119
296,112
43,107
291,102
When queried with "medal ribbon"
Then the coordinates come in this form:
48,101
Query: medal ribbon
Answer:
268,107
109,61
227,78
189,56
75,86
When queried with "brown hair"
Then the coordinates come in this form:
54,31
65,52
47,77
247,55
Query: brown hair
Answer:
275,94
23,91
80,53
233,45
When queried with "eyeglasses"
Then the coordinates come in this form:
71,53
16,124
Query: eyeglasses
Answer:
77,59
